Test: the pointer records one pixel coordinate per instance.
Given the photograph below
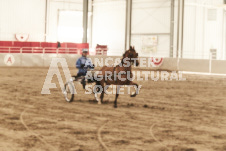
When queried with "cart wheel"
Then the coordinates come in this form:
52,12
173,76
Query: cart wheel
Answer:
69,91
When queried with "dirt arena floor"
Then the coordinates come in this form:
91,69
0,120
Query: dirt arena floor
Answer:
166,116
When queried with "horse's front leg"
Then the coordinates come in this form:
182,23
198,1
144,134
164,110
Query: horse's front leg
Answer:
101,97
136,87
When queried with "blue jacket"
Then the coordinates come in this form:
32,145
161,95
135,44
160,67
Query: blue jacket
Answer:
86,62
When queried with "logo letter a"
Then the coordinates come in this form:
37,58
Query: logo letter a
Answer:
53,69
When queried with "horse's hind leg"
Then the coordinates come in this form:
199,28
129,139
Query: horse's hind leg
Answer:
97,86
116,97
102,93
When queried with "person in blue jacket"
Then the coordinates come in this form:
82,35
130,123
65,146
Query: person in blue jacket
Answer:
83,64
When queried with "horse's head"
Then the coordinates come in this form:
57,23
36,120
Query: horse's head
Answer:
132,55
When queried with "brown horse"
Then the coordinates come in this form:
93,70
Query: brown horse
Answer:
120,74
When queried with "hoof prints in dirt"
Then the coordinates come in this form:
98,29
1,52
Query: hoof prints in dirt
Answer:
130,104
153,107
192,113
183,149
121,142
145,106
29,142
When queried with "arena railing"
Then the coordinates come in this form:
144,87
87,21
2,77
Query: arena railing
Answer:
61,50
40,50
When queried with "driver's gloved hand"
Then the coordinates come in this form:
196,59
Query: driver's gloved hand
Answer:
82,65
91,66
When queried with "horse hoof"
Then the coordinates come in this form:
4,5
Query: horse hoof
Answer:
115,106
133,95
99,102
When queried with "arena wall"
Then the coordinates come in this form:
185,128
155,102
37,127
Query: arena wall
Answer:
170,64
218,66
194,65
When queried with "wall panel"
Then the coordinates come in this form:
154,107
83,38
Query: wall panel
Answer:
22,16
109,25
151,18
200,33
53,9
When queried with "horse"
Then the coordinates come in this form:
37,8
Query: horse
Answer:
119,75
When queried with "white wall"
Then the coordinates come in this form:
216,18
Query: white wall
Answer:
151,17
28,16
109,25
22,16
200,34
54,6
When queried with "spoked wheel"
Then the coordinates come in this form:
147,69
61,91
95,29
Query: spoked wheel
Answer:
69,91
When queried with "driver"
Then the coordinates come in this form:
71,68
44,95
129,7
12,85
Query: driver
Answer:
83,64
